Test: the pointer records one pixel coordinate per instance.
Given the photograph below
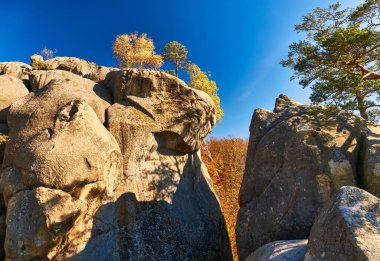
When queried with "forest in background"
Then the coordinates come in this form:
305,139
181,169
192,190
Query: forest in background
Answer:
225,161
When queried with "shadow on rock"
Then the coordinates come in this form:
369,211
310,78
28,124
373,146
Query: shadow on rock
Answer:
192,227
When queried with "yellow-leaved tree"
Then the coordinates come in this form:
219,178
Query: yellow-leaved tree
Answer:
136,51
199,80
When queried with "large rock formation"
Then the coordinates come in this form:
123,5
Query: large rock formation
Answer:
16,69
348,228
80,67
296,160
284,250
159,124
370,160
88,179
11,89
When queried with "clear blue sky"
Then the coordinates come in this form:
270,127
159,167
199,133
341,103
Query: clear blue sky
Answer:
241,42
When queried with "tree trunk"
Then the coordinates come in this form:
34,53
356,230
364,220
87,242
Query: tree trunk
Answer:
176,69
361,107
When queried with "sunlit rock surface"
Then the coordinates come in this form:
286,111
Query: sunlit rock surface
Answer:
103,164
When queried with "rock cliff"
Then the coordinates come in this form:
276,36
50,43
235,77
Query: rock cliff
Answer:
104,164
297,160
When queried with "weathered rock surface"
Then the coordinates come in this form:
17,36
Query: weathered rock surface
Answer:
16,69
75,143
76,155
11,89
348,228
37,112
179,124
173,212
284,250
73,190
80,67
41,78
295,162
36,220
370,160
36,60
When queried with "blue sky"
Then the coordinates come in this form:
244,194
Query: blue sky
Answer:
240,42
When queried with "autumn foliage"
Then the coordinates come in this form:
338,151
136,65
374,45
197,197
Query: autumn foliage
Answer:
137,51
225,161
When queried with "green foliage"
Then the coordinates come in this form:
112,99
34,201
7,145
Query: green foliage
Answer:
39,65
176,53
199,80
339,59
171,72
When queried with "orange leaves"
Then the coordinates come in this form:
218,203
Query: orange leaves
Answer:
136,51
225,161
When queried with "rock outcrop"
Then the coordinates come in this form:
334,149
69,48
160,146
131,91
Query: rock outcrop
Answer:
11,89
16,69
104,165
285,250
296,160
348,228
80,67
370,160
159,124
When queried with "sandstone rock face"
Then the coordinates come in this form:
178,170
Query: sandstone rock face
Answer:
75,143
33,219
80,67
284,250
295,162
37,111
41,78
36,60
370,160
16,69
348,228
11,89
84,180
189,114
62,175
172,210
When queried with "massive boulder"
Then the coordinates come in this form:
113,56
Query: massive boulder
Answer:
36,220
74,190
179,124
37,112
296,160
173,212
75,143
16,69
53,181
348,228
284,250
80,67
36,61
41,78
11,89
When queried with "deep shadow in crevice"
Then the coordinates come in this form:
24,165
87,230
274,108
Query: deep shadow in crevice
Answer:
192,227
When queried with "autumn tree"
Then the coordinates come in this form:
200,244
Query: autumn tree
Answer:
48,53
339,58
200,80
176,53
225,161
136,51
